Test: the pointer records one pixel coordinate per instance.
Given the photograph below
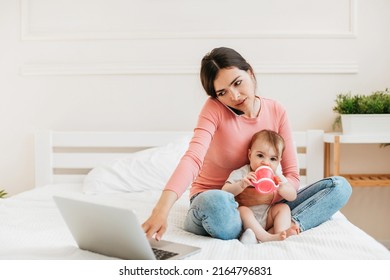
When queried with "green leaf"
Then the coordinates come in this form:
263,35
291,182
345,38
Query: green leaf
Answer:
2,193
377,102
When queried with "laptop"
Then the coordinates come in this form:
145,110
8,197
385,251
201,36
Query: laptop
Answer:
115,232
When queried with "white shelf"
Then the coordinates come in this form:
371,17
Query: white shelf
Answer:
357,138
356,180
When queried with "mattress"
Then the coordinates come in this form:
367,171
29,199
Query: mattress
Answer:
32,228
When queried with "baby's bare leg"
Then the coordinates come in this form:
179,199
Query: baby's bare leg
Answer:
279,220
249,221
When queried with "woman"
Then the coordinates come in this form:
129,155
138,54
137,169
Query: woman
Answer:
226,123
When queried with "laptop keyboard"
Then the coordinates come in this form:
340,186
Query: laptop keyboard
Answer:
162,254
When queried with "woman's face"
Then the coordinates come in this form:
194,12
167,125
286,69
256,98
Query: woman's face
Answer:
236,88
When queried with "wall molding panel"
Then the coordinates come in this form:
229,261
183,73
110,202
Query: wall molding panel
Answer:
48,69
134,19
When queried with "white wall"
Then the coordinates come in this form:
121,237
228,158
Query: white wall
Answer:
132,65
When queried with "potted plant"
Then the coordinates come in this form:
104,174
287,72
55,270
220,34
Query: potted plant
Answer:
2,193
363,114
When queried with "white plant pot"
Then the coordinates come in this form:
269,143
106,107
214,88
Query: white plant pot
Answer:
365,123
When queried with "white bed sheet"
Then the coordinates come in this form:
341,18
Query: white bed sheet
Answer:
32,228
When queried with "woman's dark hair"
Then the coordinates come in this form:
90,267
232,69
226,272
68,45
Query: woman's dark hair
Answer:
217,59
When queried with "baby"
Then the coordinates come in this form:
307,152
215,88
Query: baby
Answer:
264,222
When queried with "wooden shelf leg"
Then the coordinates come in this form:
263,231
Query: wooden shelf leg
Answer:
327,160
336,156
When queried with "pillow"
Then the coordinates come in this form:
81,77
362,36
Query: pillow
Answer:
148,169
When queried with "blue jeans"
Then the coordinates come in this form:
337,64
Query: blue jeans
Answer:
214,213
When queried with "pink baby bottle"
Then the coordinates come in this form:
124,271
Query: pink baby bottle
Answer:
266,181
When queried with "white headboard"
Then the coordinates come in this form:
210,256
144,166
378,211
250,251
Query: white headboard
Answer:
310,151
67,156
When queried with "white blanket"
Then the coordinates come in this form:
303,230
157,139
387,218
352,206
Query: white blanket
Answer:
31,227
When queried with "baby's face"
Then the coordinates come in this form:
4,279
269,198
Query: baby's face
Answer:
261,153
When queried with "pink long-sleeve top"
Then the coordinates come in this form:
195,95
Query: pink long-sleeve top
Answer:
220,145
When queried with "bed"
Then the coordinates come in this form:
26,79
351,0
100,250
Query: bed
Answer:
128,169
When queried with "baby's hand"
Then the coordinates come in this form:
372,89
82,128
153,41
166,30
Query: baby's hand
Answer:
277,180
251,176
